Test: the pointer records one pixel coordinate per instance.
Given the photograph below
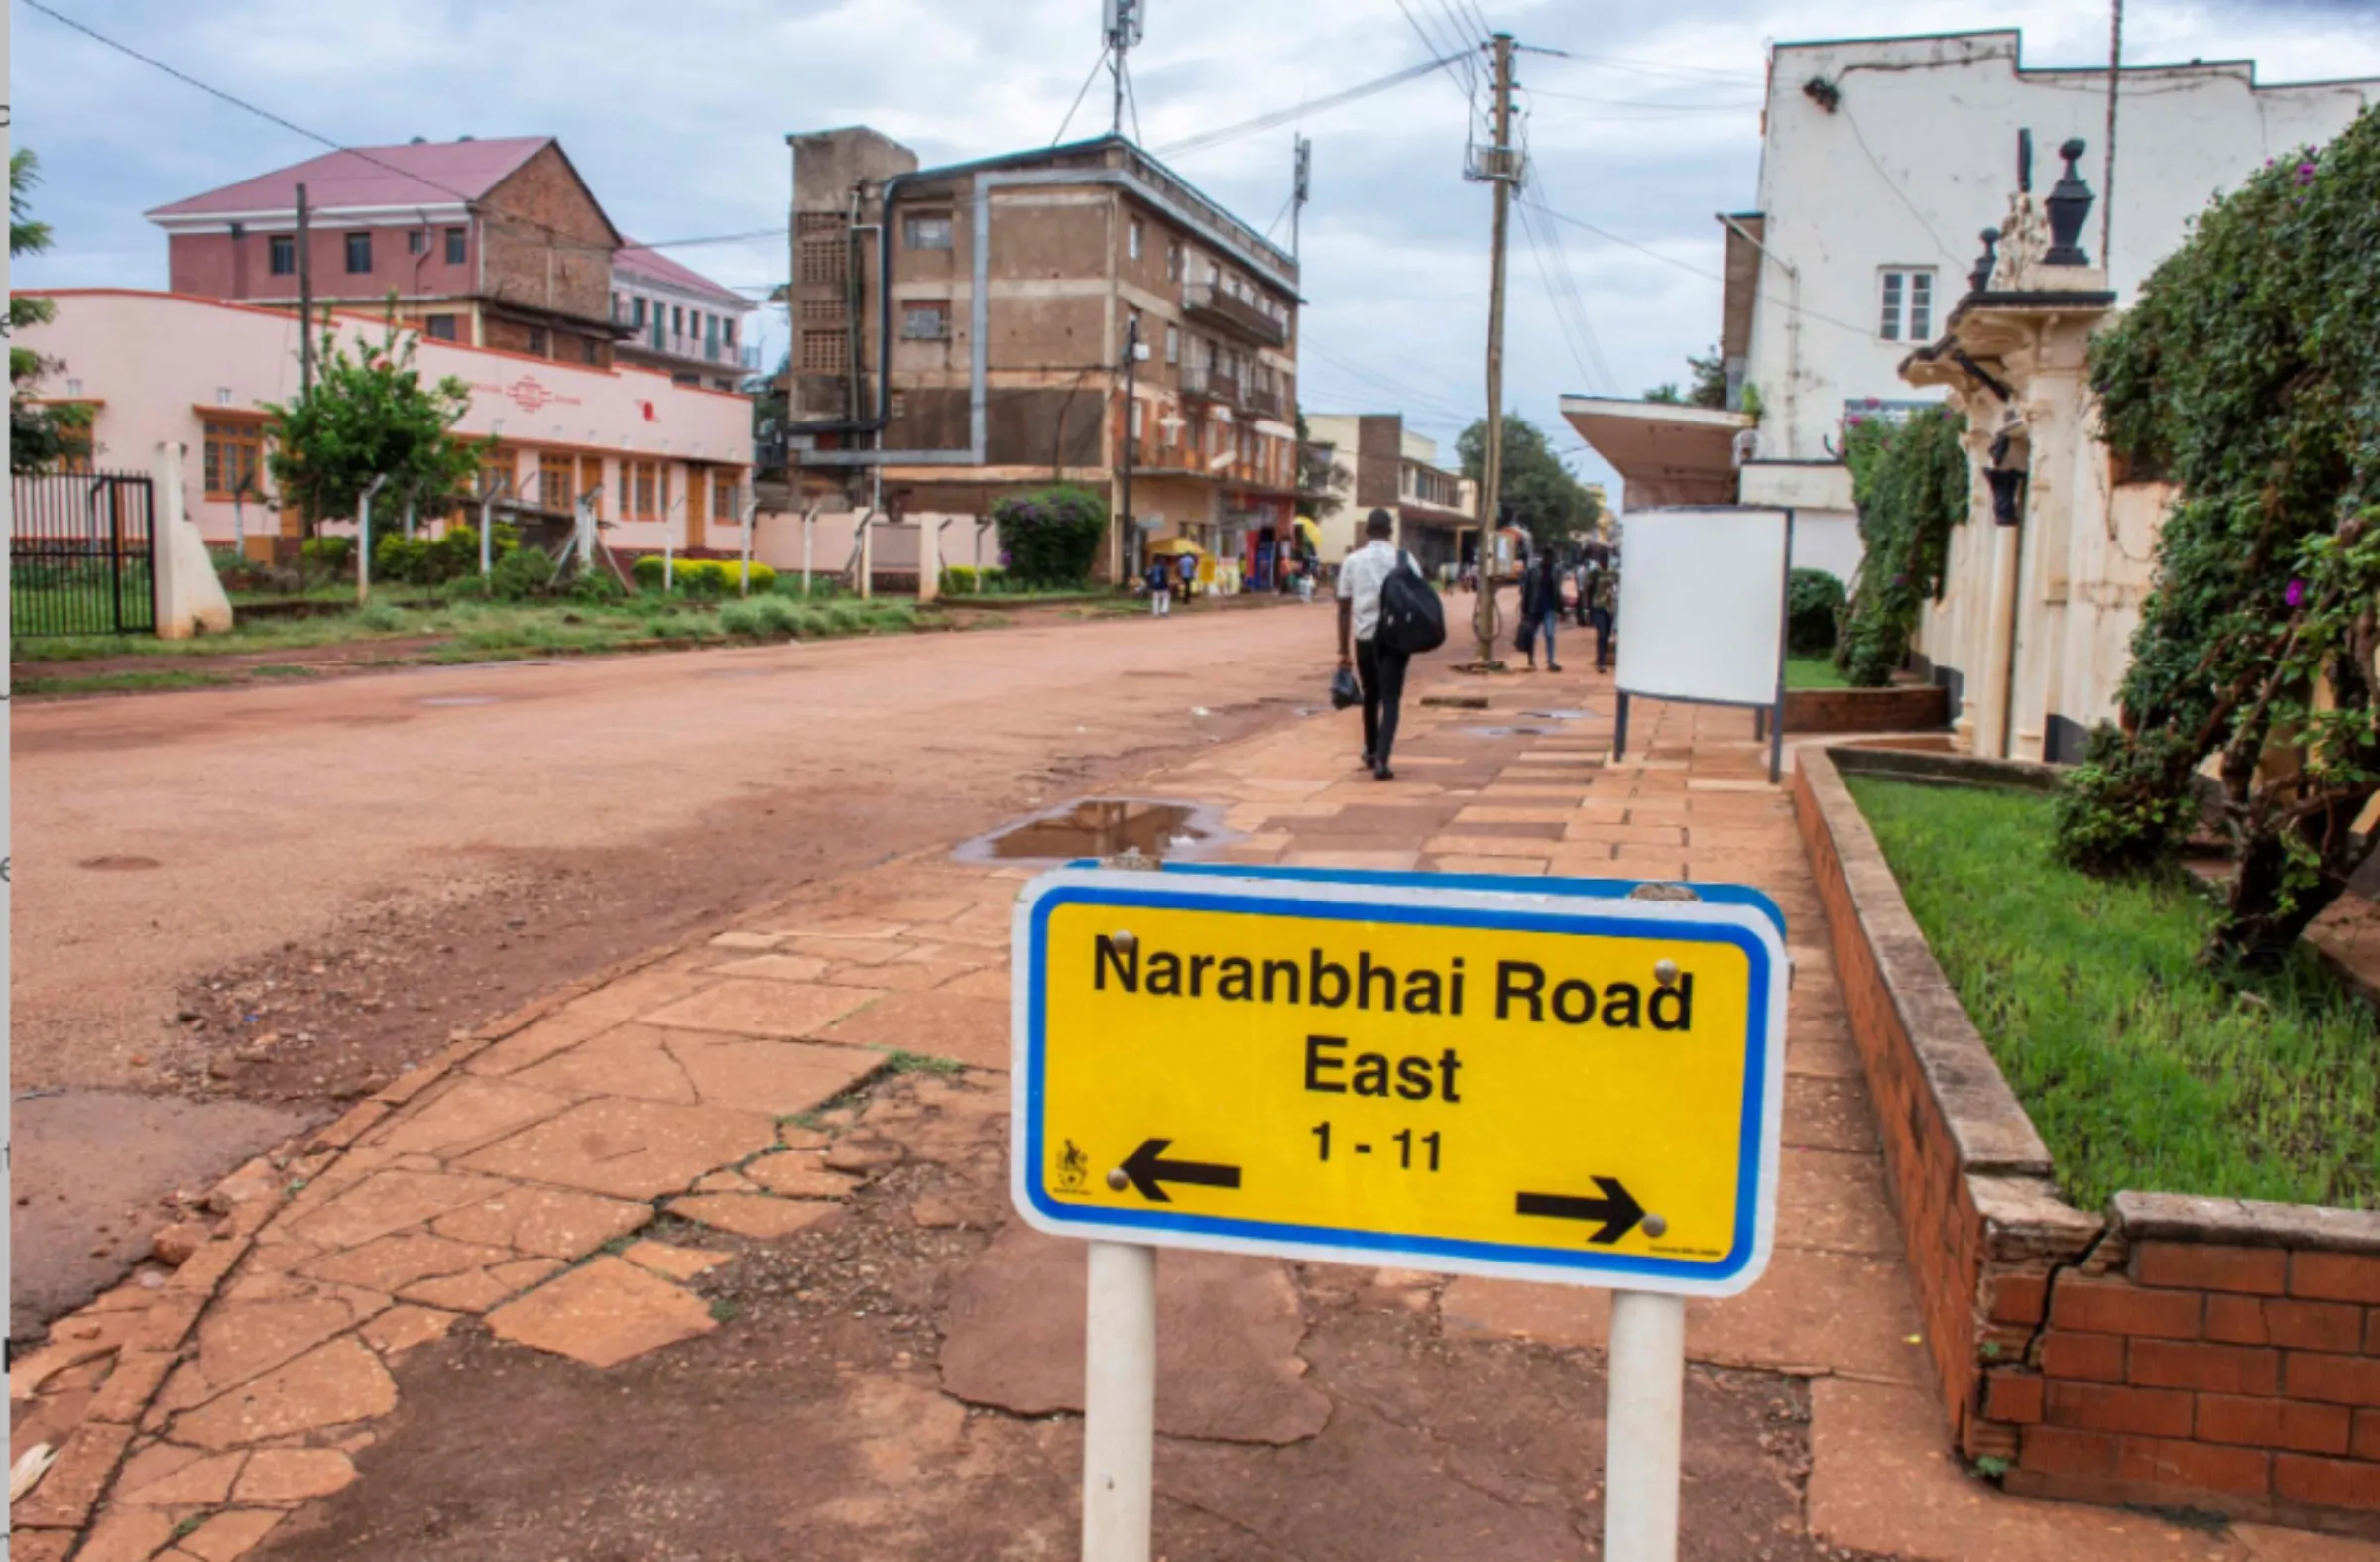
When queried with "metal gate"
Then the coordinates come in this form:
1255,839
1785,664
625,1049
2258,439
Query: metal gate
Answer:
80,555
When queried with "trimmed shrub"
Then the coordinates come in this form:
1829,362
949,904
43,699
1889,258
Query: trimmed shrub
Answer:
519,575
332,555
967,580
1814,602
1051,538
699,577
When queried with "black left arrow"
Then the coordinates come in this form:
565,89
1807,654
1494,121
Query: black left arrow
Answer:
1147,1168
1617,1209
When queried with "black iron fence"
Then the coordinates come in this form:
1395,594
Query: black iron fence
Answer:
81,554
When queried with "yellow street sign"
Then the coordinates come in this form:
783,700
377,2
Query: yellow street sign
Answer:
1532,1083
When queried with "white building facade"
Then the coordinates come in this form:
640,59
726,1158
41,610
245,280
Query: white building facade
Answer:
1883,161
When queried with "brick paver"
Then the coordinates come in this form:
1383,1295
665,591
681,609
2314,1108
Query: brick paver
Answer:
494,1181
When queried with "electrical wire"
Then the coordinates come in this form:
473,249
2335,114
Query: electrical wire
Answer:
1553,297
1078,97
1562,287
1437,51
1708,275
1845,113
1283,116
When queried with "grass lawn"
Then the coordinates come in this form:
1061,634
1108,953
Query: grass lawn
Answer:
474,630
2141,1070
1812,672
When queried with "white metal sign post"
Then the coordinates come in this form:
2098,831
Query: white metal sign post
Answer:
1526,1079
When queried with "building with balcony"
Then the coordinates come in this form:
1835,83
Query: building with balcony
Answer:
484,243
1375,461
960,333
673,318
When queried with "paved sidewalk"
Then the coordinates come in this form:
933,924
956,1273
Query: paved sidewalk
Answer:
712,1259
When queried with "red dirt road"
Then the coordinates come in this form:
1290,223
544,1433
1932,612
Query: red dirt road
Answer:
287,894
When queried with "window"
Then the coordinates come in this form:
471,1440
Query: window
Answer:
727,503
926,322
557,482
926,230
1174,260
440,327
235,458
591,350
1174,344
1133,237
678,319
823,352
495,472
359,254
284,255
637,312
454,246
696,318
727,330
536,341
1907,315
416,241
640,482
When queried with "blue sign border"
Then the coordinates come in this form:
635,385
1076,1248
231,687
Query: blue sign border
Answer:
1124,1222
1498,883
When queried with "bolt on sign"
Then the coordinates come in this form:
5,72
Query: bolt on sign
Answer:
1533,1085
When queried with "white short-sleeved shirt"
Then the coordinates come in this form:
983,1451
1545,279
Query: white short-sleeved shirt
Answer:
1360,580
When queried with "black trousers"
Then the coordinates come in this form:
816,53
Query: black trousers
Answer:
1382,673
1600,618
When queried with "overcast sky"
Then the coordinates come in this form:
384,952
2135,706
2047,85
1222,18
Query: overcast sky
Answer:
676,115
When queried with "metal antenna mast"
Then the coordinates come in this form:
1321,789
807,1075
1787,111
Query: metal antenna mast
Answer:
1122,20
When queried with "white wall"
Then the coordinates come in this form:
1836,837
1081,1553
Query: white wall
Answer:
1920,156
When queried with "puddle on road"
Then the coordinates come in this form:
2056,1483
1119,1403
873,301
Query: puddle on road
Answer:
1507,732
119,864
1559,715
1103,827
459,699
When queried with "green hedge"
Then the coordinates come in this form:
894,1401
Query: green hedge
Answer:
1814,604
966,580
700,577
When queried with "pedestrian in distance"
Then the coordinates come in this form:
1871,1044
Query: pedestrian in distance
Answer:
1160,589
1379,669
1602,610
1189,567
1541,607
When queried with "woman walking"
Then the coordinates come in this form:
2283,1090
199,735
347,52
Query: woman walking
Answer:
1541,607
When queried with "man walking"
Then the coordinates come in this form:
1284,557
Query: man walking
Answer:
1602,610
1379,669
1541,608
1160,589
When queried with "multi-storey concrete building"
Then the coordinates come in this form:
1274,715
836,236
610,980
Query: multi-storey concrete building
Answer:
1376,462
959,333
485,243
676,320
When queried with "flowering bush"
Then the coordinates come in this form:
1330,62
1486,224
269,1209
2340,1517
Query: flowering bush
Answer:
1051,538
2251,372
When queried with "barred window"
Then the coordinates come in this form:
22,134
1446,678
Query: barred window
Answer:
825,261
824,352
822,311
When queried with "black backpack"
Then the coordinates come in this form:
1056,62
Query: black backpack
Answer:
1411,619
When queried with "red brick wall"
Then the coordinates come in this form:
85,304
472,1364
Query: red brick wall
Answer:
218,266
1907,708
2195,1352
548,247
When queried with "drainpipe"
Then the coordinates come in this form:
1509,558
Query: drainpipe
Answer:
1793,321
1992,732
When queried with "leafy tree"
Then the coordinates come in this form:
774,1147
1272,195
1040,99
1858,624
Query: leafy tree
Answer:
1051,537
1707,386
368,416
2248,371
38,434
1543,497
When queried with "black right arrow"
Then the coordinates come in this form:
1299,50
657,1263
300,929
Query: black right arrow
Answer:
1617,1209
1147,1170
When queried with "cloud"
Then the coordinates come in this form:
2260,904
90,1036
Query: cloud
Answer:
1644,125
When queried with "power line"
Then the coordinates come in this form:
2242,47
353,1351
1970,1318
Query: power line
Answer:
1894,184
556,234
1467,89
1708,275
1562,284
1283,116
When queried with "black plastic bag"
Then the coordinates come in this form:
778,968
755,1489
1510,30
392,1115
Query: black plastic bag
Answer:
1343,692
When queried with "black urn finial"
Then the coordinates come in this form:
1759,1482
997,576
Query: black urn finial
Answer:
1980,277
2070,206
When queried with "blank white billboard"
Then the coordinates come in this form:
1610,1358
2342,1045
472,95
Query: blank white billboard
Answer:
1702,604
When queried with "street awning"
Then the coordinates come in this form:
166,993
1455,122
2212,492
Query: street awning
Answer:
1174,545
1668,454
1310,531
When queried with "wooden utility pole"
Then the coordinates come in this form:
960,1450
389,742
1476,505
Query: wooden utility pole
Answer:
1129,556
305,298
1501,166
2115,74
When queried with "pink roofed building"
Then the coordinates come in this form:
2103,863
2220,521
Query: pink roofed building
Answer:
494,243
676,320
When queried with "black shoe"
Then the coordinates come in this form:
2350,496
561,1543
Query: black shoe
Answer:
1553,666
1381,772
1370,762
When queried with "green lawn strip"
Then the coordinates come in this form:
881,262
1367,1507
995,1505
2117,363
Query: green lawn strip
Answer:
1814,672
2142,1070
